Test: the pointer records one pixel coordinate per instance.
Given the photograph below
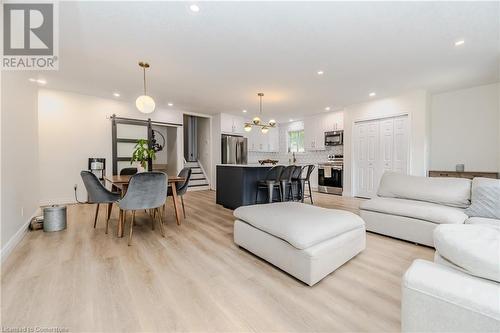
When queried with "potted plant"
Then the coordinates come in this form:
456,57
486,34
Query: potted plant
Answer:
142,153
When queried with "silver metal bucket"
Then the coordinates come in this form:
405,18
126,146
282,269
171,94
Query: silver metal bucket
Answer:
54,218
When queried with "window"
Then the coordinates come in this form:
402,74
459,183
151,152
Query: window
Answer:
296,141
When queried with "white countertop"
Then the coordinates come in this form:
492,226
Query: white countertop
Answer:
245,165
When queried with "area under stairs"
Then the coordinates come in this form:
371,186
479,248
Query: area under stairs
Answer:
198,180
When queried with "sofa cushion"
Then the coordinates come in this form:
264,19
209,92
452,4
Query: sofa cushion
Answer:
454,192
482,220
299,224
415,209
473,248
485,199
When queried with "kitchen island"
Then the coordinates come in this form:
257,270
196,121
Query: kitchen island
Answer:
237,184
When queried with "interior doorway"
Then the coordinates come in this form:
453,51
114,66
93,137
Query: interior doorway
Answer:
197,149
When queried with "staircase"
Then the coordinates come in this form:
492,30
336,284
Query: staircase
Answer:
198,180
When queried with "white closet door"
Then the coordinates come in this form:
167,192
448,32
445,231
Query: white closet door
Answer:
372,171
400,157
386,146
366,157
379,146
360,158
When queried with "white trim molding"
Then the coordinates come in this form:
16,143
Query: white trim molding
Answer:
18,236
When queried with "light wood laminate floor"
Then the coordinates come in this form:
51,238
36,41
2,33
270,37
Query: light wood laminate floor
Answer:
195,279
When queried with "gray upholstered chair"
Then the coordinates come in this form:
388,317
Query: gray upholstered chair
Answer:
98,194
181,188
146,190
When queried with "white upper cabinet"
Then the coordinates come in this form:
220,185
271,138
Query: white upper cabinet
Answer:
314,133
334,121
232,124
266,143
316,126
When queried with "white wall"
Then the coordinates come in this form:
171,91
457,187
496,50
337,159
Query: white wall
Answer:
415,104
19,148
465,129
73,127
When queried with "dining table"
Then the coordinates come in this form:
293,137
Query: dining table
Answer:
122,181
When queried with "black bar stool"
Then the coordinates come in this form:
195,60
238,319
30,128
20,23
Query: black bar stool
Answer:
296,184
306,179
270,183
286,183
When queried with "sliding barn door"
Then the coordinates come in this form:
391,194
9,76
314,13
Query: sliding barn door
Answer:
379,146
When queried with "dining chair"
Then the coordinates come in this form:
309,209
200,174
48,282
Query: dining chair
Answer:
124,172
148,191
270,183
285,180
181,188
98,194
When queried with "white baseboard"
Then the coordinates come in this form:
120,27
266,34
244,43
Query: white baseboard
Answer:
18,236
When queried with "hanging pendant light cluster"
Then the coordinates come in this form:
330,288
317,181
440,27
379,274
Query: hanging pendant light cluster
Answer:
145,103
256,121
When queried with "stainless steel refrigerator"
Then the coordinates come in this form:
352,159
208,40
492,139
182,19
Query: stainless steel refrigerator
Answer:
234,149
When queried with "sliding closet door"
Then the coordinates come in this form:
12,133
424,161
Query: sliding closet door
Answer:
379,146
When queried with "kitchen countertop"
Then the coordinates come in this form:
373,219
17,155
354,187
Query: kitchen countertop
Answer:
246,165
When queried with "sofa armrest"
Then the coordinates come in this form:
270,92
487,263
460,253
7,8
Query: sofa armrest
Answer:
437,298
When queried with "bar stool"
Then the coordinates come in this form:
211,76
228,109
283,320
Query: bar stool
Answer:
285,181
296,185
304,180
270,183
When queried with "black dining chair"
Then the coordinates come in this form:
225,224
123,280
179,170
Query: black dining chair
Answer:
148,191
98,194
305,180
285,181
270,183
181,188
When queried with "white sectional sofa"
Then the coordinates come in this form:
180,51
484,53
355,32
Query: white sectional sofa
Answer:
460,290
411,207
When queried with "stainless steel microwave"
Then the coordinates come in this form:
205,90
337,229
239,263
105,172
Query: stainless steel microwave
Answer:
335,138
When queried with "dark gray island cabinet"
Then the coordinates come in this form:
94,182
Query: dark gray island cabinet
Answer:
237,184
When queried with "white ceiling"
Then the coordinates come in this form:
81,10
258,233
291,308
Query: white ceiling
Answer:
218,59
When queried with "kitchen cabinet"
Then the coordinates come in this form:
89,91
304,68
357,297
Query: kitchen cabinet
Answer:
314,133
334,121
316,126
231,124
265,143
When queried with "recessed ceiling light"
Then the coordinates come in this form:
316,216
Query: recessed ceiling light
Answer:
170,104
41,81
327,108
32,80
116,94
320,72
372,94
290,119
244,111
194,8
459,42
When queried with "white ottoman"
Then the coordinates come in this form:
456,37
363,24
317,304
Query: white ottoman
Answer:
306,241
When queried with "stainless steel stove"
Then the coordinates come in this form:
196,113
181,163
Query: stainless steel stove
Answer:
331,175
